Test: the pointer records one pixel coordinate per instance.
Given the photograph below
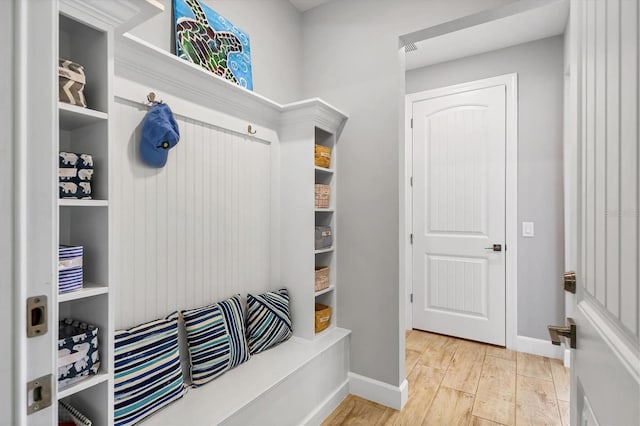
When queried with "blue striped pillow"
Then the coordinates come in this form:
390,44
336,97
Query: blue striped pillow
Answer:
216,338
268,320
148,375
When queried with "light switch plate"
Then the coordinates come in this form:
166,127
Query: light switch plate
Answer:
527,229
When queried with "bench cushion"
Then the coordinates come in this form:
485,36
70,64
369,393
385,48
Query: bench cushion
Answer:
216,339
268,320
147,375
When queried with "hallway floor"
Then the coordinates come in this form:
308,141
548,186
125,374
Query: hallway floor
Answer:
460,382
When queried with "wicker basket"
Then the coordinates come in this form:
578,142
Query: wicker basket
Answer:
323,156
323,194
322,278
323,317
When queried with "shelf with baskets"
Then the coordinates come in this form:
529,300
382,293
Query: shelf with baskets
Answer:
83,218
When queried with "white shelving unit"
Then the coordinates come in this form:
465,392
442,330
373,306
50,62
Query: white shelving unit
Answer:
321,125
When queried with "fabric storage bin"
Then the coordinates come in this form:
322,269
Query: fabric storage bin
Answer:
75,172
323,156
71,82
322,278
70,272
324,237
323,317
77,351
323,194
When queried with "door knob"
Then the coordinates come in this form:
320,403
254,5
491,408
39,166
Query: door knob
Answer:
568,332
495,247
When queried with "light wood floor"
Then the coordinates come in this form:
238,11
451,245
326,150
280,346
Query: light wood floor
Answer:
459,382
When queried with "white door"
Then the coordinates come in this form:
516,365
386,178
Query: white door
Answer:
605,368
459,145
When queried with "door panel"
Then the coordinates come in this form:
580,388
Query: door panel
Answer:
458,212
606,363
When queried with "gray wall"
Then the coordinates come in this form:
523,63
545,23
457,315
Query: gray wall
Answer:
351,61
6,213
274,27
539,65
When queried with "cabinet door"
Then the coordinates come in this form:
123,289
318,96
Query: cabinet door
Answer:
35,209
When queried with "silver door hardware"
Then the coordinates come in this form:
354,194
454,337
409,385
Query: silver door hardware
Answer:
569,280
557,332
411,297
39,393
495,247
36,316
410,238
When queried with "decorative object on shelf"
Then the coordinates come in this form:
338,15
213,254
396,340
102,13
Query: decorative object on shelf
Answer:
323,237
206,38
322,278
70,268
160,133
68,415
323,194
78,355
75,172
322,156
71,82
148,374
268,320
224,321
323,317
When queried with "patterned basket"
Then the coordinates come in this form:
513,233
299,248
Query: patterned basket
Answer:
323,194
322,278
323,317
71,81
323,156
77,351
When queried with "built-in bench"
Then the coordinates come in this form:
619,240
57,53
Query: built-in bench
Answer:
297,382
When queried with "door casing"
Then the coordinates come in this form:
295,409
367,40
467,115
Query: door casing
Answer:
510,81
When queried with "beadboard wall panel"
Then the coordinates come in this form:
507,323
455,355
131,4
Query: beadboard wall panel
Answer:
194,232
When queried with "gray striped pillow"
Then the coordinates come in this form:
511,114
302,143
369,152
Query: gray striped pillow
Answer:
268,320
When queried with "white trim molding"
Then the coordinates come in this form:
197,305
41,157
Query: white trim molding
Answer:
510,81
540,347
328,405
383,393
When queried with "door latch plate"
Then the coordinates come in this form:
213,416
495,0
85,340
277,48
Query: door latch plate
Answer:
569,280
37,316
39,393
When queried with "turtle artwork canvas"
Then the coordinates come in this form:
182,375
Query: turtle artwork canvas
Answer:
206,38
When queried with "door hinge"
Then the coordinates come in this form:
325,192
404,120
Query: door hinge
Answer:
411,181
410,238
411,297
412,123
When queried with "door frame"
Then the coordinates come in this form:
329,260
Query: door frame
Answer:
510,81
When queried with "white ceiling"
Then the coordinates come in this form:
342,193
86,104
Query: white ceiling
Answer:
546,20
303,5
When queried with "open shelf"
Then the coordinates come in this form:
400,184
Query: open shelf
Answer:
71,202
89,290
325,210
83,384
325,291
73,117
324,170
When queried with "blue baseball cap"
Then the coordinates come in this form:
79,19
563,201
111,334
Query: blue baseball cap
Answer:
159,134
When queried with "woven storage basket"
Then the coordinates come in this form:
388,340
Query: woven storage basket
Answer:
323,317
323,194
322,278
323,156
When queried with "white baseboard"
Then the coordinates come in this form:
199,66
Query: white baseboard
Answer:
539,347
383,393
328,405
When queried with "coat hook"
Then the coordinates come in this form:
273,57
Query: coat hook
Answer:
251,131
151,98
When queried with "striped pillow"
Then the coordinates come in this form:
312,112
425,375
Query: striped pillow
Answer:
268,320
147,369
216,338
